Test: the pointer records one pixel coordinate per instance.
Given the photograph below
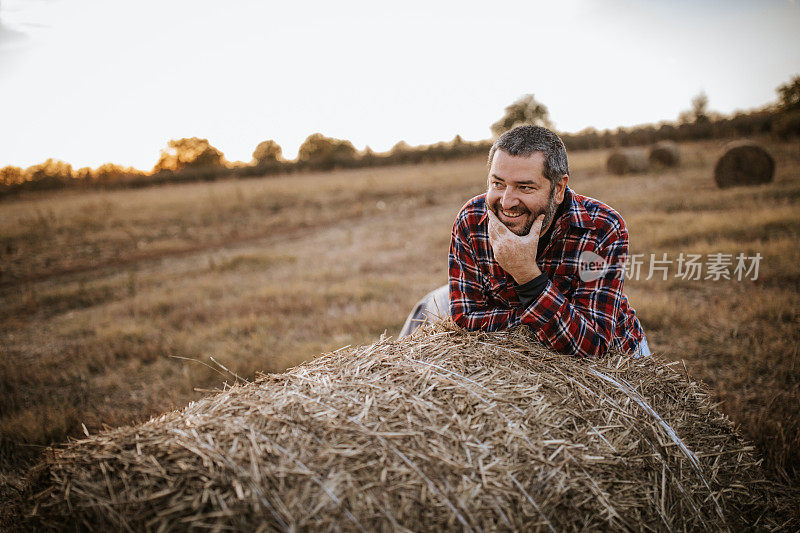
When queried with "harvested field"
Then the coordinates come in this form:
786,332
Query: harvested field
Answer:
443,430
113,301
627,161
744,163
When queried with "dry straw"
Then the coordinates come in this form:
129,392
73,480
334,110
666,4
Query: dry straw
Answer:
627,161
442,430
744,163
665,154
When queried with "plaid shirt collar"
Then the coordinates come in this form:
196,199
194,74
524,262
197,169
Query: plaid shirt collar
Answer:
575,215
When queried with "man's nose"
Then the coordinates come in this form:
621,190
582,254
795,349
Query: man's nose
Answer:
509,199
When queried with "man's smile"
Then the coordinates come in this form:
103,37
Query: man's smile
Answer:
512,214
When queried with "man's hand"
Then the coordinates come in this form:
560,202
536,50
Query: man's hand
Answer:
516,254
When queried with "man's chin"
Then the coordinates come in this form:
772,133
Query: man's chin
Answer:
519,231
520,228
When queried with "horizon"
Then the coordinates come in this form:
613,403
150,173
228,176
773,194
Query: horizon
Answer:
89,83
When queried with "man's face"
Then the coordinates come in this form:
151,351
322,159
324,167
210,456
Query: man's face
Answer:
519,191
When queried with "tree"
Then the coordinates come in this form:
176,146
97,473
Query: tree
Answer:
50,170
267,152
698,114
787,123
525,110
368,157
189,153
789,95
401,152
11,175
401,147
83,174
700,107
325,152
109,172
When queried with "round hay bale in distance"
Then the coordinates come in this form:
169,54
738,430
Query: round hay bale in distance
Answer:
744,163
665,154
440,431
627,161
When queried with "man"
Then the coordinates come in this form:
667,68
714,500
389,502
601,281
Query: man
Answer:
520,254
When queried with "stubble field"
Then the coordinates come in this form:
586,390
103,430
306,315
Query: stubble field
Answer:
112,303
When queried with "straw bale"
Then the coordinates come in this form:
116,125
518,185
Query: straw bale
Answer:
744,163
442,430
665,154
627,161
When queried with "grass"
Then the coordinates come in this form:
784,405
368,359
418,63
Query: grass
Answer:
107,296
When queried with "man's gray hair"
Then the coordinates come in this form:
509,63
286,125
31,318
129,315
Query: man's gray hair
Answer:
525,140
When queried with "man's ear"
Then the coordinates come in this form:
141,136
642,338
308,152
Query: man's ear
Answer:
561,188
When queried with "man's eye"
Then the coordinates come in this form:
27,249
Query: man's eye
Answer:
497,185
526,188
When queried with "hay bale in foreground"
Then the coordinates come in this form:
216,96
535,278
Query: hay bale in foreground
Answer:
744,163
627,161
443,430
665,154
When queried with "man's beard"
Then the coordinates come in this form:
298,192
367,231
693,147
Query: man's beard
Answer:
549,213
550,210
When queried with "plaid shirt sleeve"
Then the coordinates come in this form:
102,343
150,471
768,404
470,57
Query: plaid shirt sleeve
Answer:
469,306
582,324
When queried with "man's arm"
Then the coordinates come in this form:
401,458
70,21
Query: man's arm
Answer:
469,307
582,326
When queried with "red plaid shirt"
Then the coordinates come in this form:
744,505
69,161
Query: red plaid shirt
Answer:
585,318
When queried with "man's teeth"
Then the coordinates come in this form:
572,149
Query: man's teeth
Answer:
510,214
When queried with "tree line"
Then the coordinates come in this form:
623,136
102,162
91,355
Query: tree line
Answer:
195,159
781,119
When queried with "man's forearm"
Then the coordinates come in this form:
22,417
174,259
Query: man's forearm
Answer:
581,326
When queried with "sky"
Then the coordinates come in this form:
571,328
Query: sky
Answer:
95,81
